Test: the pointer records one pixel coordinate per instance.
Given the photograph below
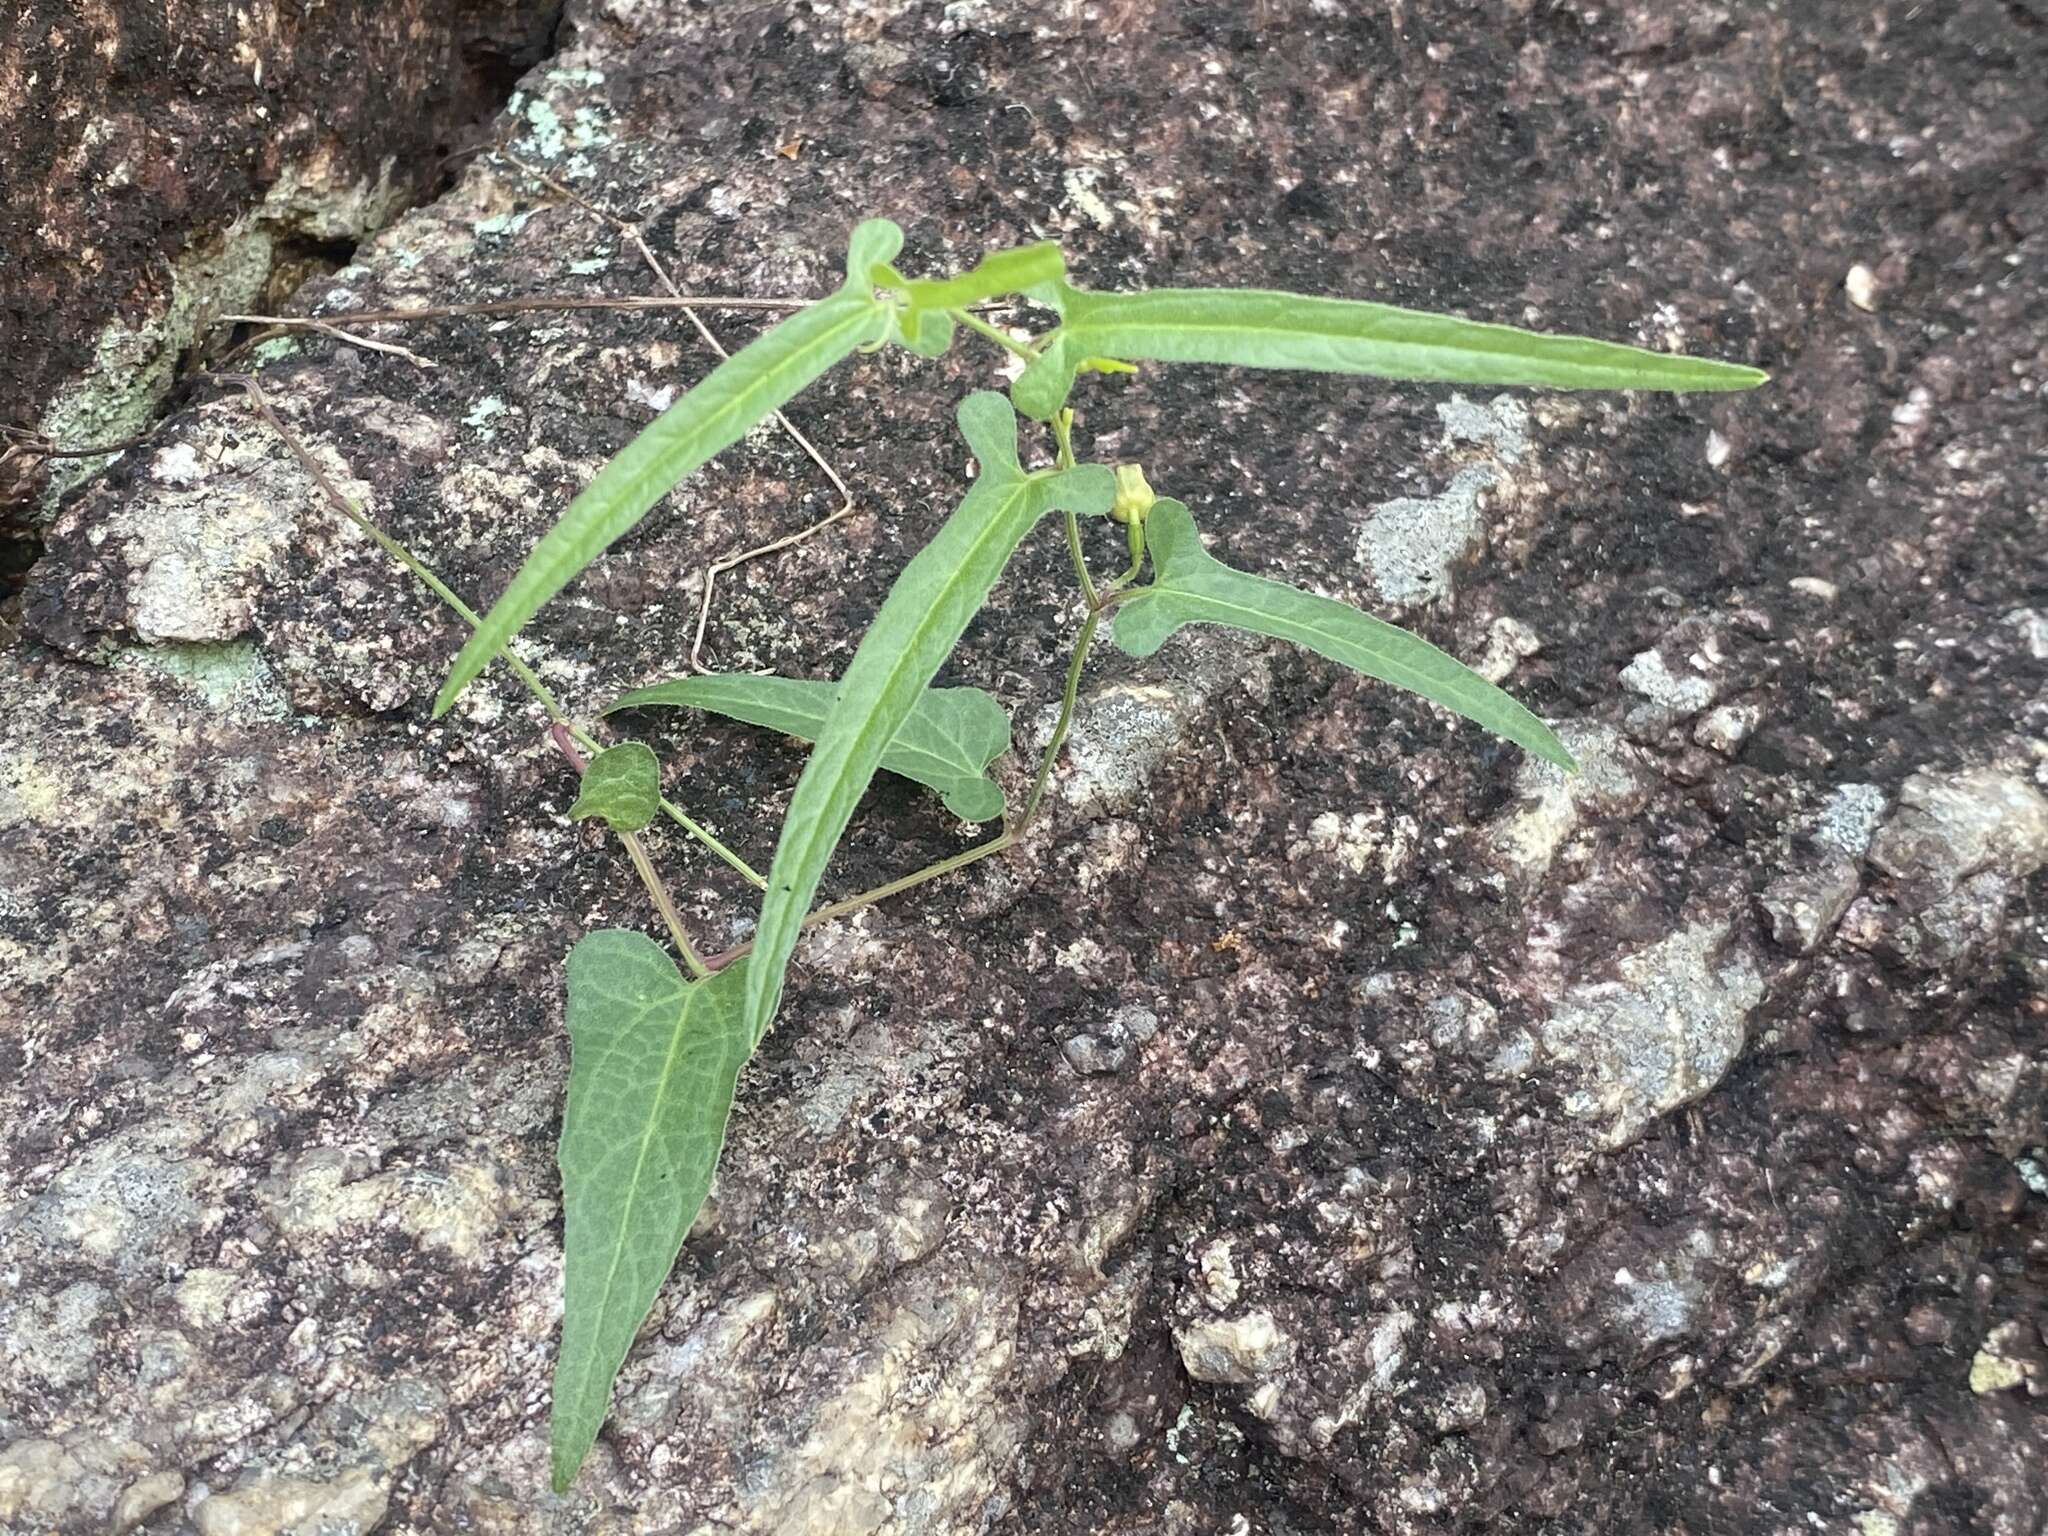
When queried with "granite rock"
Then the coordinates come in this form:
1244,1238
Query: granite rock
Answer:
280,954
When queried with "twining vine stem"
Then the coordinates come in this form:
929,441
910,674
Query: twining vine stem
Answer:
567,735
996,334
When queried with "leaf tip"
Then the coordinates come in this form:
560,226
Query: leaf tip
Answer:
467,666
1539,740
989,424
1734,377
568,1445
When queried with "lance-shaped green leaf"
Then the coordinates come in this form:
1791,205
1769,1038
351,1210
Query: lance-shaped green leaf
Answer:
622,785
916,629
1256,328
951,737
746,388
653,1060
1191,586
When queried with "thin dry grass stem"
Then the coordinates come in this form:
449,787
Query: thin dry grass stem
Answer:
31,445
542,303
715,568
328,328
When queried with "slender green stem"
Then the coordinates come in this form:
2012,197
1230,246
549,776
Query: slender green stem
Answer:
1010,834
883,892
1066,719
996,334
704,835
825,914
441,589
1106,596
386,542
1114,596
1080,560
1063,435
1136,530
1063,439
644,867
565,737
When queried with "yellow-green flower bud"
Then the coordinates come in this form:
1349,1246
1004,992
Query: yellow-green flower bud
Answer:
1134,497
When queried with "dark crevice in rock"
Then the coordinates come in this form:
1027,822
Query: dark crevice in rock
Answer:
201,179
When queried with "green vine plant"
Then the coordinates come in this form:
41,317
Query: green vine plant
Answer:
657,1046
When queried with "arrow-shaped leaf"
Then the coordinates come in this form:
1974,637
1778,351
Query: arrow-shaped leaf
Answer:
1193,587
1257,328
918,625
951,737
923,325
652,1067
996,274
622,785
746,388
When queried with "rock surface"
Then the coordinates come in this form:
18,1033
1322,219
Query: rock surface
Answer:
163,164
1455,1146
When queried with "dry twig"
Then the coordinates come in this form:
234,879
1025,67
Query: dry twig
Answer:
714,569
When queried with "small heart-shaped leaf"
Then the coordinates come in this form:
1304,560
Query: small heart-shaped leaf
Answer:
622,787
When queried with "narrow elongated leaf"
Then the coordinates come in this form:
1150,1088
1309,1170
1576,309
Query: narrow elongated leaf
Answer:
917,627
951,737
1193,587
622,785
653,1060
1257,328
746,388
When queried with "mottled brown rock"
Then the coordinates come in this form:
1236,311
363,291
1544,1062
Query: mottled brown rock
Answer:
163,162
1371,1228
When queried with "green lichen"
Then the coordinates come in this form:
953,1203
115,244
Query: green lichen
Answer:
232,677
547,136
483,413
135,361
544,135
134,365
503,223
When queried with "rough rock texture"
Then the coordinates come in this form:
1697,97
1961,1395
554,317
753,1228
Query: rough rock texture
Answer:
1453,1145
164,163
